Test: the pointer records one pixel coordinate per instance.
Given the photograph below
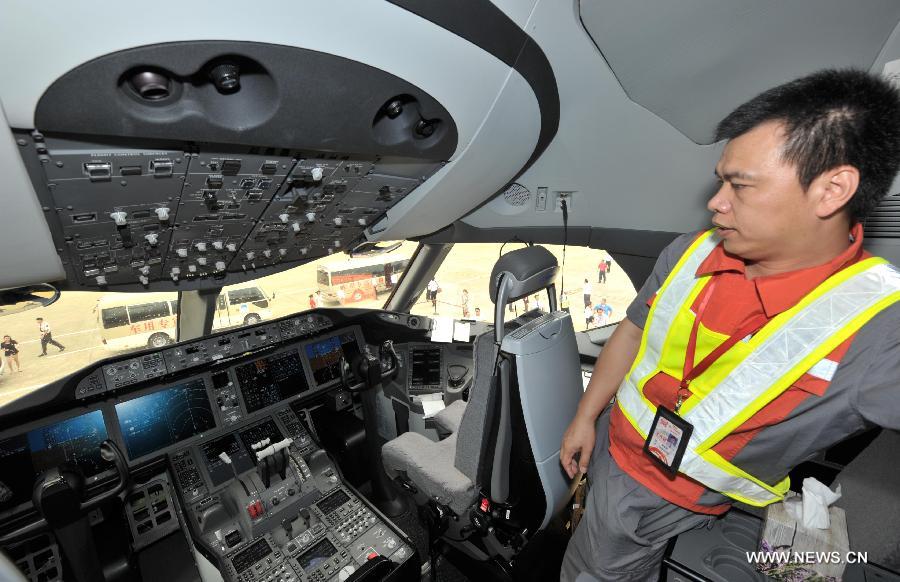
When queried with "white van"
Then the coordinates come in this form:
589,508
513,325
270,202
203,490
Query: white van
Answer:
134,320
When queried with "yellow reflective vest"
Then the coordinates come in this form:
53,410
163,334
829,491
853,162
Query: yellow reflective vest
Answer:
752,373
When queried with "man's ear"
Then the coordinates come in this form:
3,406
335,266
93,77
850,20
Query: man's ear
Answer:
834,189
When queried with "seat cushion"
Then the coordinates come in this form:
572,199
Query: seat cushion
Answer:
429,465
449,418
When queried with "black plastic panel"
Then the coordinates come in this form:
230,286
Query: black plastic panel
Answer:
286,96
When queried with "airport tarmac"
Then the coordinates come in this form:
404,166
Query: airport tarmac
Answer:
74,320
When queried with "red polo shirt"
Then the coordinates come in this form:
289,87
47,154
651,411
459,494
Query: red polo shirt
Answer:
735,299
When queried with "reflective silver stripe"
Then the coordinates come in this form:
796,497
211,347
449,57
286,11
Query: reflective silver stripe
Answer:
770,361
665,308
783,350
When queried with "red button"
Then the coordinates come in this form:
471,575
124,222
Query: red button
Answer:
485,504
372,555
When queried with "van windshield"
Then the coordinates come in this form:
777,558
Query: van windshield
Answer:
84,327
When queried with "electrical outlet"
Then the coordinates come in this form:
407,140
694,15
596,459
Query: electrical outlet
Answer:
559,197
540,201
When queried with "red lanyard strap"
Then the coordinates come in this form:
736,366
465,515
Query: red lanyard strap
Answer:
753,325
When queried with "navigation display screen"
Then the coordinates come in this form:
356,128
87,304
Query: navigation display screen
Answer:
154,421
316,555
22,457
270,380
325,356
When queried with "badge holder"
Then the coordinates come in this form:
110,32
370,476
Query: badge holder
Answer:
668,439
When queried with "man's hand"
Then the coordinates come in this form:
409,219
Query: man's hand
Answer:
609,370
578,440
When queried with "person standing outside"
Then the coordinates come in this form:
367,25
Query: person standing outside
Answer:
47,337
602,268
604,310
432,292
713,403
10,352
586,291
464,301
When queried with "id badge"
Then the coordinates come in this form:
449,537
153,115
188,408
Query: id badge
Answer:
668,439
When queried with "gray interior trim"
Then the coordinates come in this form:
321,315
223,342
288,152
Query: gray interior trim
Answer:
196,311
680,77
486,26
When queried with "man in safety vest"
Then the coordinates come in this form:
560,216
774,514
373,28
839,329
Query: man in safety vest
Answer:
752,346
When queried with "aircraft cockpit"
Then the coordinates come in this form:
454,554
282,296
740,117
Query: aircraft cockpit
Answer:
311,291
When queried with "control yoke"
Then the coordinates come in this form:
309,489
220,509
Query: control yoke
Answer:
68,478
59,499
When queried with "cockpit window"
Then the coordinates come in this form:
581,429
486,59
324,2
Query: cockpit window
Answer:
596,291
85,327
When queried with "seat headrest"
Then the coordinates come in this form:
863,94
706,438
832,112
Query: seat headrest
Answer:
528,270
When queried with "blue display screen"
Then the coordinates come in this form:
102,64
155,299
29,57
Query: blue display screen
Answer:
325,356
22,457
155,421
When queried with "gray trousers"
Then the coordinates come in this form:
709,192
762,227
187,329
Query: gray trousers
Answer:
625,527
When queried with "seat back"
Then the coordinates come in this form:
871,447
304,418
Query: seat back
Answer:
545,388
526,388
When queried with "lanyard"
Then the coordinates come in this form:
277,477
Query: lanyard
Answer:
691,371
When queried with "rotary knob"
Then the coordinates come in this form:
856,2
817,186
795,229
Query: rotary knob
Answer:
251,255
101,280
338,221
145,270
304,250
217,244
231,247
316,174
201,261
295,226
119,218
162,214
361,222
144,280
282,252
284,217
201,246
182,252
311,216
220,265
267,253
152,238
192,268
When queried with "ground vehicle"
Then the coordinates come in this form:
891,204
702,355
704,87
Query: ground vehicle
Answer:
563,99
127,320
355,279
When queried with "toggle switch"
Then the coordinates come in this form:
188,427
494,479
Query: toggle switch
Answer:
152,238
119,217
163,214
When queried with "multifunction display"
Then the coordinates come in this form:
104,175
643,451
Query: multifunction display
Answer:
325,356
269,380
154,421
22,457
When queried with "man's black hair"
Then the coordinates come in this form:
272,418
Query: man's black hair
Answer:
832,118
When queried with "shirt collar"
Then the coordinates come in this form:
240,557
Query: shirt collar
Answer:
780,292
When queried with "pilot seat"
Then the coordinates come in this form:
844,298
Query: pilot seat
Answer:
496,479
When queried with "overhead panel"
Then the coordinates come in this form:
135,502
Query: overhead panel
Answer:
692,62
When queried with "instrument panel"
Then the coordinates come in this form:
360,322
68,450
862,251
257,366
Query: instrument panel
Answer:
155,420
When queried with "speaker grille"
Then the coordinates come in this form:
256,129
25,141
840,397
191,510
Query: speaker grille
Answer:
517,195
884,222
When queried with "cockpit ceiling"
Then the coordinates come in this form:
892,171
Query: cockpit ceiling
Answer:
690,63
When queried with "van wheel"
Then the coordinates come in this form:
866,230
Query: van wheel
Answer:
159,340
252,319
357,295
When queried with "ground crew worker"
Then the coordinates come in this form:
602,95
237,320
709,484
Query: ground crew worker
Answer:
753,346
